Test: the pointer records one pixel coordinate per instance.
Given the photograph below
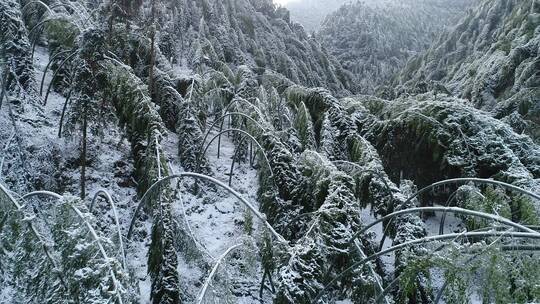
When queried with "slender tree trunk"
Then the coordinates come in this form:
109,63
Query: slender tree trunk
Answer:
83,151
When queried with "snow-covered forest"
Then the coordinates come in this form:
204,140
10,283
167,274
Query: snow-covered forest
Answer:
219,151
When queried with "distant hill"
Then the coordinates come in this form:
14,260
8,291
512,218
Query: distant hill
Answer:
374,39
311,13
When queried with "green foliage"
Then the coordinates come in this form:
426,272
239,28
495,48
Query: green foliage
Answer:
525,211
248,221
409,282
84,274
61,34
505,46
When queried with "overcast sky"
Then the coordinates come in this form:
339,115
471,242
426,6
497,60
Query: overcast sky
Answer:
283,2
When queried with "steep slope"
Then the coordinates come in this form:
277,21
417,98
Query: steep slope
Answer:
167,102
491,58
253,33
374,39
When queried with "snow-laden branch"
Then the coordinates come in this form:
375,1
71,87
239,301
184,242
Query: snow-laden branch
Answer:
212,180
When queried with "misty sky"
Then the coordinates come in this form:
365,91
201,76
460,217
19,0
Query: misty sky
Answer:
283,2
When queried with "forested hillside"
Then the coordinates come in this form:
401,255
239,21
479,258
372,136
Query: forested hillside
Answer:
374,39
211,151
492,59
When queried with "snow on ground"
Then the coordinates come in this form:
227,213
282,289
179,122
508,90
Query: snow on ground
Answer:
452,224
110,166
216,219
388,260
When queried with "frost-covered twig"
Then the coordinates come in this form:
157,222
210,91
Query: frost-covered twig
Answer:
201,295
116,221
157,184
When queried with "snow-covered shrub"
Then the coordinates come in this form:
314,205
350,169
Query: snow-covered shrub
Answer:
190,139
324,249
56,256
15,49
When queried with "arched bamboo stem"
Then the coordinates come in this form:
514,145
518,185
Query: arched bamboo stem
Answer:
54,76
109,200
238,99
158,183
51,60
23,9
421,241
202,152
475,180
38,236
495,218
456,180
222,119
201,295
64,108
92,232
235,156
